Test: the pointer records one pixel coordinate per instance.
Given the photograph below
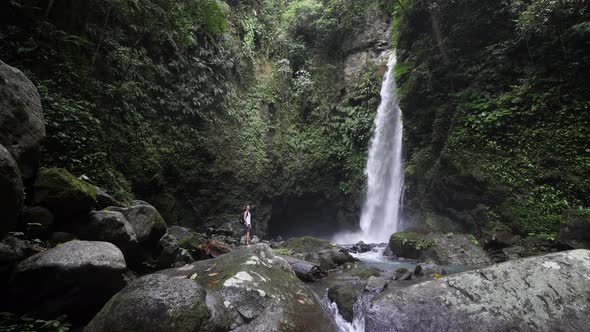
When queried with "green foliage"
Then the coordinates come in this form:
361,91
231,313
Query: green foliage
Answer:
472,239
493,91
11,322
199,105
283,251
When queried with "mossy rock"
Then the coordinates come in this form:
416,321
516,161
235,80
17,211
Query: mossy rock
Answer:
409,244
154,303
307,244
364,272
63,193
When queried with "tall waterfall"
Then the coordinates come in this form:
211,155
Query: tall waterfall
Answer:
381,211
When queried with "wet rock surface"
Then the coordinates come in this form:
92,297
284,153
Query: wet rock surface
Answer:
344,296
543,293
375,285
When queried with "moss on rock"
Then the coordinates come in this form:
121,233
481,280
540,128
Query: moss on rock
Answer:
63,193
409,244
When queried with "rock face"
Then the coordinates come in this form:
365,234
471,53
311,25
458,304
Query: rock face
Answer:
21,119
147,223
368,47
543,293
251,289
11,190
155,303
108,226
575,230
76,278
441,249
61,192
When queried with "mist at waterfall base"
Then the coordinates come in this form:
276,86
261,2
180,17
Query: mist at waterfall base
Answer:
380,215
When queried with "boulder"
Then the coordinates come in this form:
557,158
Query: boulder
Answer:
344,296
402,274
327,255
575,229
104,200
543,293
12,250
38,220
255,291
76,278
441,249
147,223
108,226
428,269
189,241
375,285
11,189
214,248
455,249
63,193
155,302
22,128
362,247
168,251
409,244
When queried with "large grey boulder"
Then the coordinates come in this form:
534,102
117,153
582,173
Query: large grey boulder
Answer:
147,223
63,193
11,191
21,119
76,278
108,226
155,302
255,290
543,293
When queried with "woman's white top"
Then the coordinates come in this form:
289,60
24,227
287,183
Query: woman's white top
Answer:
248,218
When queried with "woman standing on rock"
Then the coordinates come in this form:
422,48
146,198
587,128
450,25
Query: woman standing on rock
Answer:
247,223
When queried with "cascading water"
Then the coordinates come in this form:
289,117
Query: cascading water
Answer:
381,211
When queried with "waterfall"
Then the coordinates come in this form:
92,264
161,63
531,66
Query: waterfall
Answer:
381,210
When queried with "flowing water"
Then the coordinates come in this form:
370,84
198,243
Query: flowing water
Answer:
381,211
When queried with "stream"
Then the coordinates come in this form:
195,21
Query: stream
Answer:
370,259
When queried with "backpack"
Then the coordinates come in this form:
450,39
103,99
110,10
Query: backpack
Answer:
241,218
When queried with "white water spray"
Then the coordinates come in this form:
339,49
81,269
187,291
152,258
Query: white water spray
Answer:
381,211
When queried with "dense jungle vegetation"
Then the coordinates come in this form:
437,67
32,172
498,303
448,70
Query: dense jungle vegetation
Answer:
200,105
496,109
